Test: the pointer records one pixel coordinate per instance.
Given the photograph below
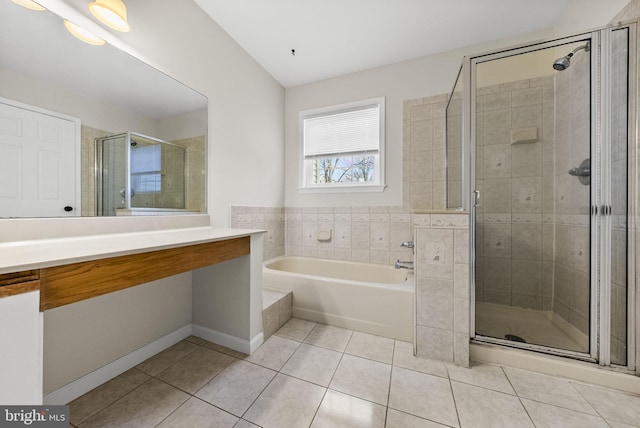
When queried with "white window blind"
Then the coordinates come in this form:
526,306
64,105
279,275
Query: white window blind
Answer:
146,168
356,130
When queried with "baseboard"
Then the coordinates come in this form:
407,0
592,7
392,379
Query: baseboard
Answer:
224,339
96,378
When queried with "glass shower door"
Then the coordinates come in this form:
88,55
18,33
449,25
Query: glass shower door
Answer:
533,222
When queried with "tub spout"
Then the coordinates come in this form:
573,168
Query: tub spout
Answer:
403,265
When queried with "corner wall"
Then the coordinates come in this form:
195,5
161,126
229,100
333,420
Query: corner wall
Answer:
245,135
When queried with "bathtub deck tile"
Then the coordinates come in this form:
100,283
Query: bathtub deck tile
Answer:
269,297
330,337
296,329
285,309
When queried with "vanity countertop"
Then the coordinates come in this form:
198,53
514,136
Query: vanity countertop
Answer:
42,253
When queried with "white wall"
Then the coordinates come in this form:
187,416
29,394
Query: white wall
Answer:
583,15
87,335
188,125
422,77
92,112
245,136
431,75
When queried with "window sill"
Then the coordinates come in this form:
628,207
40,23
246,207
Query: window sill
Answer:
343,189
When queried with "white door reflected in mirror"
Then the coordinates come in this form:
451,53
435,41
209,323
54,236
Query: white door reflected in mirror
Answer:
38,164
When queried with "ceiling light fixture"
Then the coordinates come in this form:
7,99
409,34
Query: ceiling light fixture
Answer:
112,13
83,34
30,4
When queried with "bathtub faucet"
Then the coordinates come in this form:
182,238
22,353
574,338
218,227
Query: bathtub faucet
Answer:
404,265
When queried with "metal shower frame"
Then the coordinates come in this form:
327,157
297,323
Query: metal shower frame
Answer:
600,221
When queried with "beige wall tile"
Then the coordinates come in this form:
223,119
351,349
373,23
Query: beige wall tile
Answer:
435,343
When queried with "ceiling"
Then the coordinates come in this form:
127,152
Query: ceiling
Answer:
337,37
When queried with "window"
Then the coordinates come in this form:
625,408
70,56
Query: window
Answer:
146,168
342,147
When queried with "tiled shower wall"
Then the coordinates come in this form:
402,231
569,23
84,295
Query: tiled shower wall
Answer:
570,268
532,225
424,153
195,170
510,235
183,177
172,190
88,136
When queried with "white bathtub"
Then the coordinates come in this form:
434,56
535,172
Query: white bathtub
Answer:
371,298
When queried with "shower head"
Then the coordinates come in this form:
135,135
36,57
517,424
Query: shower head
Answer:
564,62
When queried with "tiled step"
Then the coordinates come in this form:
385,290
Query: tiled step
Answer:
276,310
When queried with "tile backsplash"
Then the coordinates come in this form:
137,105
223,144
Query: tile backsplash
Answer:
271,219
361,234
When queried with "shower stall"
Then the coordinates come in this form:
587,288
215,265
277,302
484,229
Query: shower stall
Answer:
136,174
541,150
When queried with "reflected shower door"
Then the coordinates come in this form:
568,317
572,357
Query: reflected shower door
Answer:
111,174
532,169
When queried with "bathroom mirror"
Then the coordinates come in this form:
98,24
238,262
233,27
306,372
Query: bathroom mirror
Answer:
103,92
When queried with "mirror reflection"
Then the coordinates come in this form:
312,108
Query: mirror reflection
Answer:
64,104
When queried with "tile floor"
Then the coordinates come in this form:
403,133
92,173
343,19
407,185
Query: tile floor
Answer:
309,374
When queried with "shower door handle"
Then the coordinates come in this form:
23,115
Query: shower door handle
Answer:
476,198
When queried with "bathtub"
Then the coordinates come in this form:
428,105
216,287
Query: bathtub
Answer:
371,298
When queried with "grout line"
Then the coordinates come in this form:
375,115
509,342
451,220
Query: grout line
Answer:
517,395
386,413
176,409
455,402
114,402
256,399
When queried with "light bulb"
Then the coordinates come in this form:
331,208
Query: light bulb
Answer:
83,34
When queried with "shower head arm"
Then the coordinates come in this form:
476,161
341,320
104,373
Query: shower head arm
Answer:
586,47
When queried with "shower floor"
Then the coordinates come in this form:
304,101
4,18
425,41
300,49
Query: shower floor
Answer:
534,326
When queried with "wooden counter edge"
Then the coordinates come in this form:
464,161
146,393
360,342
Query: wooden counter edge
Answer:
62,285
